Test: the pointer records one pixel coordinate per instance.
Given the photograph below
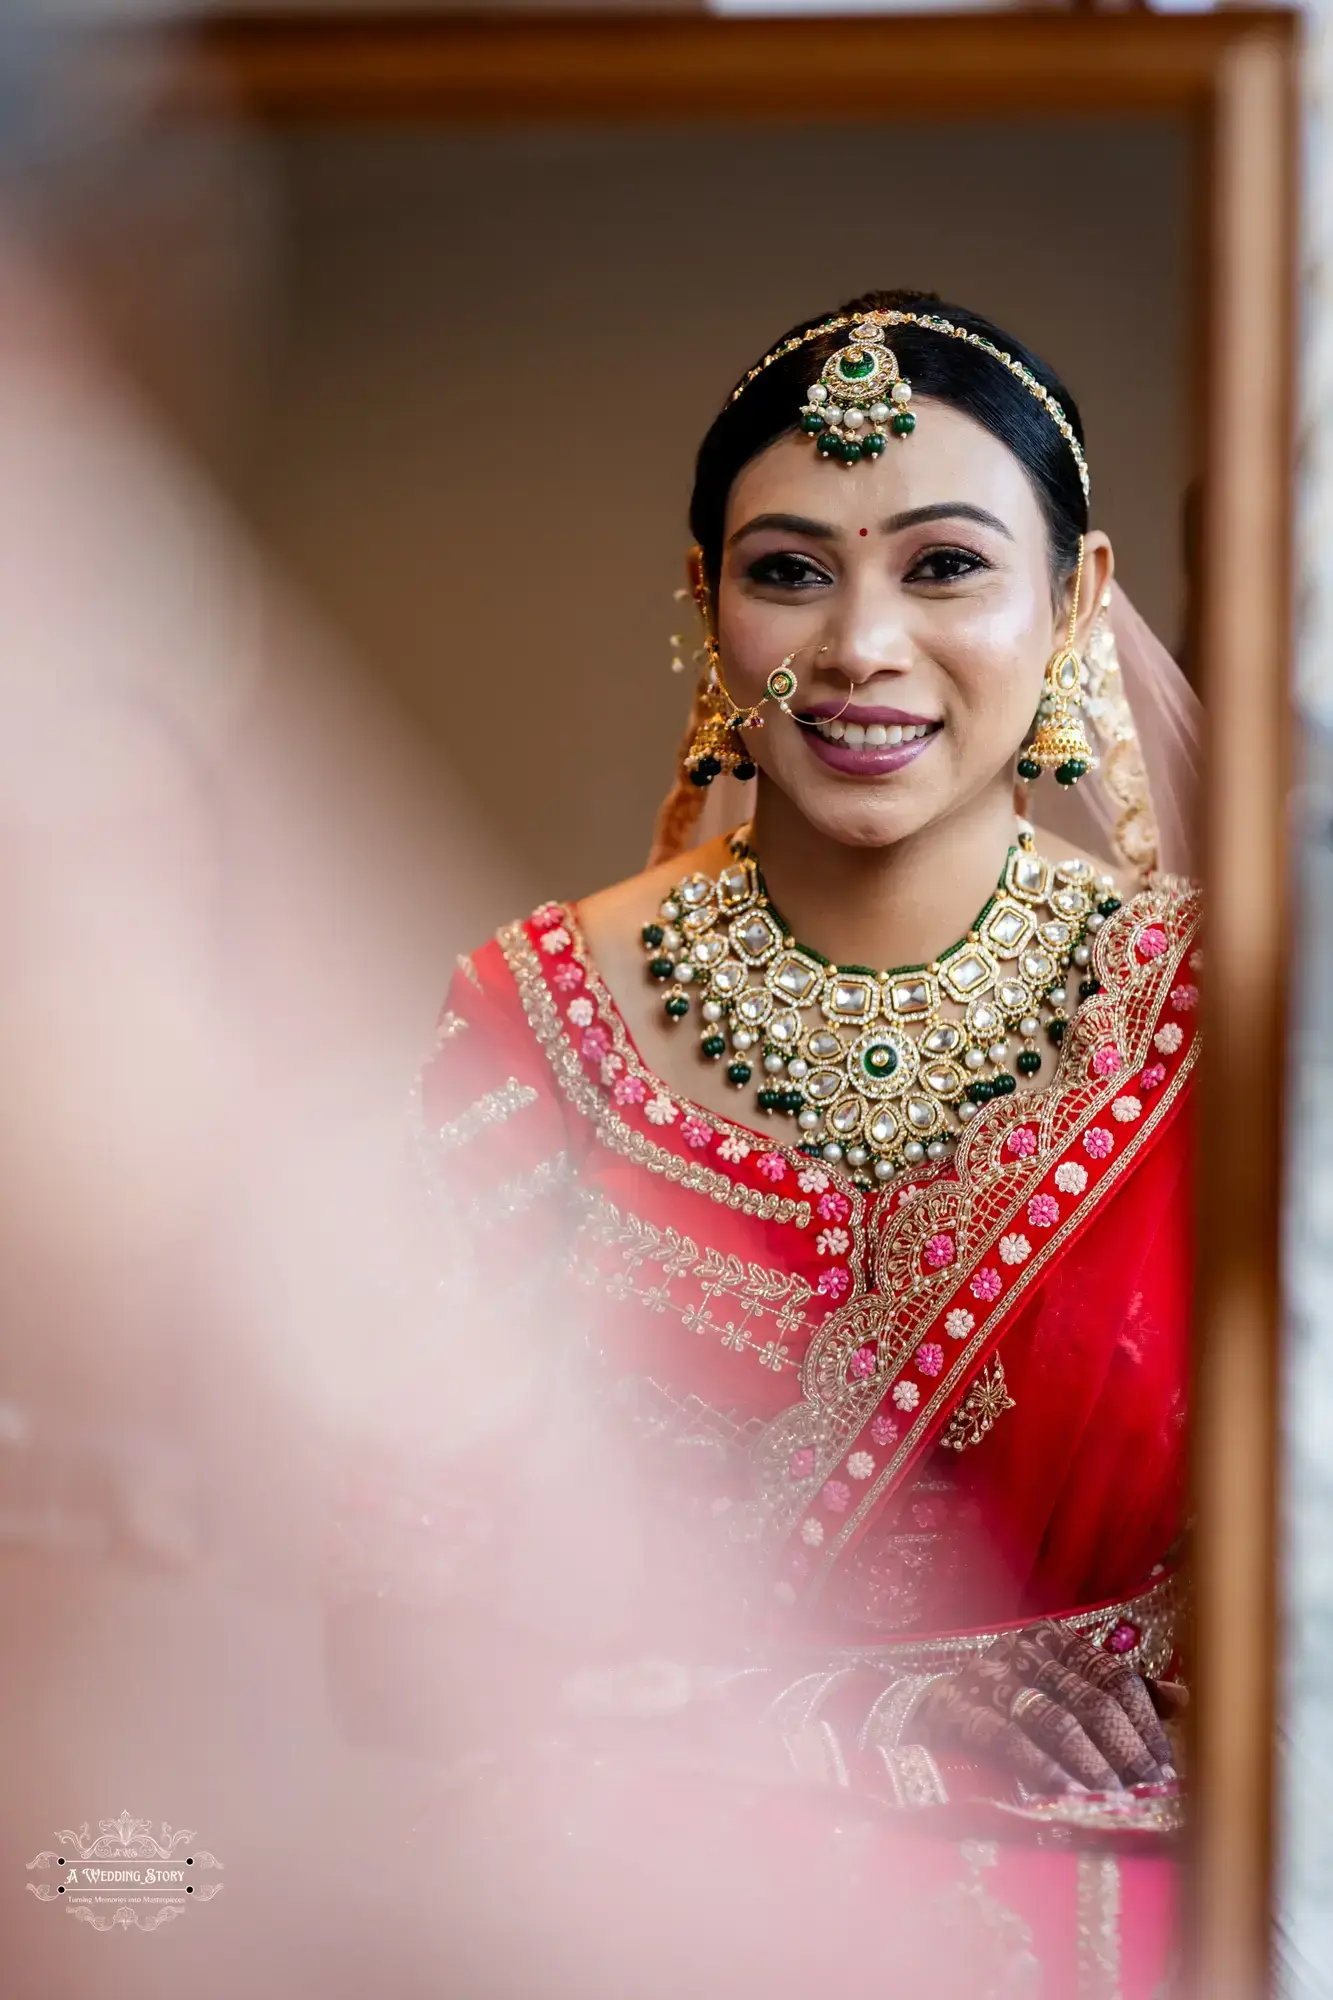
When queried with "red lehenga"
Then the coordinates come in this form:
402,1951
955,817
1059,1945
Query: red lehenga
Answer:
856,1434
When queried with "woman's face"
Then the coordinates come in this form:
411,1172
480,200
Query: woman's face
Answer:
915,592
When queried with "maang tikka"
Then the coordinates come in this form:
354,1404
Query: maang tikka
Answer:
1060,743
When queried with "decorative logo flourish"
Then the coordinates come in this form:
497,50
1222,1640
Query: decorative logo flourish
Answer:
123,1877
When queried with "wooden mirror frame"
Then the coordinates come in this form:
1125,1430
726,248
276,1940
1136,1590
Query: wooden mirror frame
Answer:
1232,77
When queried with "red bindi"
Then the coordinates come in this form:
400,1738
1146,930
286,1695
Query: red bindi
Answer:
863,531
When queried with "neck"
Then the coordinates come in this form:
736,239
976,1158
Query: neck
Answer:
883,906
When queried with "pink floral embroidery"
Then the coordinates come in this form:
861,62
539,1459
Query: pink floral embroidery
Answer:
1015,1249
1070,1177
802,1463
835,1495
1126,1109
1169,1038
732,1147
546,915
812,1532
1154,1075
833,1242
906,1395
1184,998
1098,1142
959,1323
883,1430
860,1465
1022,1143
567,976
611,1068
987,1283
834,1282
661,1110
630,1090
907,1196
556,940
930,1357
938,1252
834,1207
1043,1211
1107,1061
771,1165
696,1132
580,1011
1151,941
596,1044
864,1362
812,1180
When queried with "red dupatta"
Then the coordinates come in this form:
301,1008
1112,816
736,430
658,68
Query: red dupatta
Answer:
942,1263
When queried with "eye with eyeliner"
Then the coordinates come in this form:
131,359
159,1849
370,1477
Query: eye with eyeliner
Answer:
785,569
945,564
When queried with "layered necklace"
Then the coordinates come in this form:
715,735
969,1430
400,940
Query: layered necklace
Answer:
879,1070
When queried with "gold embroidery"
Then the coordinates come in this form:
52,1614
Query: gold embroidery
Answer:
612,1130
772,1314
493,1109
516,1196
1098,1927
469,970
450,1024
991,1191
981,1937
1155,1613
985,1402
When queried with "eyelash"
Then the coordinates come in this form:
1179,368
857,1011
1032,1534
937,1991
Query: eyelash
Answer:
785,570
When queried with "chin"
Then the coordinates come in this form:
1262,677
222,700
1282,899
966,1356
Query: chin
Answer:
859,818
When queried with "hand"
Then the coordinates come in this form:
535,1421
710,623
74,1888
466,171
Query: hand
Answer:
1059,1711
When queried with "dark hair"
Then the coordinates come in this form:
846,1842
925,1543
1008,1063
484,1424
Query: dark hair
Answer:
936,365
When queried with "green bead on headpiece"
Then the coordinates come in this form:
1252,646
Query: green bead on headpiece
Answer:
860,399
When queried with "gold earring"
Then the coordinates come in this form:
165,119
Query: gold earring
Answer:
1060,743
717,747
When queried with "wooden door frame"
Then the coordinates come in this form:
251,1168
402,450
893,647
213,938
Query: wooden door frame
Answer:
1232,75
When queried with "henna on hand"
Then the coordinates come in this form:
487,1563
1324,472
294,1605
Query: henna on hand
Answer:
1120,1681
949,1716
1104,1721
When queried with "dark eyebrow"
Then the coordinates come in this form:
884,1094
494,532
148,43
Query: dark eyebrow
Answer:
793,524
944,510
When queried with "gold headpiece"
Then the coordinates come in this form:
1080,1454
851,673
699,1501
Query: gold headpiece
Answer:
861,389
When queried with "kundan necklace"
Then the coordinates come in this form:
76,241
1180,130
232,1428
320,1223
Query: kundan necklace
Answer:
879,1069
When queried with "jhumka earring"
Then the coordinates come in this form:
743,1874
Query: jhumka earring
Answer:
1060,743
717,747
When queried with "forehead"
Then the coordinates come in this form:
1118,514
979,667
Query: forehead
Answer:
948,458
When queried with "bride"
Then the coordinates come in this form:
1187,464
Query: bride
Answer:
843,1158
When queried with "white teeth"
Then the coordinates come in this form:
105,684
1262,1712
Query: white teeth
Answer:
871,735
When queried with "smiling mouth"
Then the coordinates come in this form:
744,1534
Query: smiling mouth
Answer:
872,735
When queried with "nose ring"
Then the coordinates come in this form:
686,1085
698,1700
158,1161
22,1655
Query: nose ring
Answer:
781,686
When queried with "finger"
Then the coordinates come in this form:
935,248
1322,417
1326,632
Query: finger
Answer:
1121,1682
1063,1737
980,1729
1104,1720
1169,1698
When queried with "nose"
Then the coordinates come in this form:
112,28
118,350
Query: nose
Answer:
867,634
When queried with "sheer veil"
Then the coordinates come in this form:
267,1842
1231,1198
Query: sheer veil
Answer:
1135,808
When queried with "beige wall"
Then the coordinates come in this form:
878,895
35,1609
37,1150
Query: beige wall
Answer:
492,356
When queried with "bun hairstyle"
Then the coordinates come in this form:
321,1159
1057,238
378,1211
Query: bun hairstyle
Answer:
936,365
